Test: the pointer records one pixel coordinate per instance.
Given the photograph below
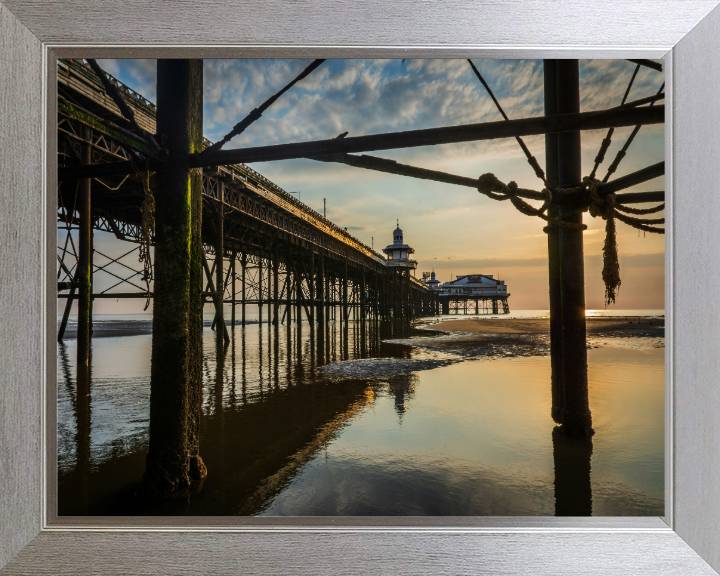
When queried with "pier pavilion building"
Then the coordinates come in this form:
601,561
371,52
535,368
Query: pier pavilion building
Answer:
487,293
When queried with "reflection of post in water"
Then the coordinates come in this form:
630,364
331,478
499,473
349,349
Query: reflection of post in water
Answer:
269,355
289,352
260,358
219,393
312,353
403,387
573,490
219,380
67,374
82,430
233,378
276,363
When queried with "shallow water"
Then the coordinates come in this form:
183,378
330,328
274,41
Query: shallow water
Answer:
373,429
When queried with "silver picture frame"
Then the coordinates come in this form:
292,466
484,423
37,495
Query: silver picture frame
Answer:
33,33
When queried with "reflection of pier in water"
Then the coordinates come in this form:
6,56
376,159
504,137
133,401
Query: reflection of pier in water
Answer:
264,418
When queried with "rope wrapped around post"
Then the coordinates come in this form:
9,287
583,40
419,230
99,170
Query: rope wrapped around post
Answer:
605,207
490,186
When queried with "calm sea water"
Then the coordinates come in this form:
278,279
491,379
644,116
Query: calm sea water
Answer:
281,436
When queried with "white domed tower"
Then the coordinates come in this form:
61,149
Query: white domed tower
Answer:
398,253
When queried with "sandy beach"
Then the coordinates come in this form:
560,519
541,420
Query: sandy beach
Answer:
636,326
508,337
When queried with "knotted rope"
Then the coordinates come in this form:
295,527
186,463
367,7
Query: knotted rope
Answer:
605,207
490,186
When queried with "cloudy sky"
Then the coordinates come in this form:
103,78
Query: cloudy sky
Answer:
454,230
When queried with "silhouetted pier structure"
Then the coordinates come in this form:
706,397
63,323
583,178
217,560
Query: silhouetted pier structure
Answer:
262,246
473,304
291,260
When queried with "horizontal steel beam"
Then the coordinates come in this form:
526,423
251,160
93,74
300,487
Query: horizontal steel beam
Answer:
393,167
640,197
409,139
649,173
433,136
111,295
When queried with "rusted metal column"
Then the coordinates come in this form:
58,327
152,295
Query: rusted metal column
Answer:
84,271
66,313
551,171
576,418
276,283
233,288
375,296
243,264
298,297
92,272
345,291
269,293
219,266
362,295
260,290
311,286
289,288
321,306
173,460
321,289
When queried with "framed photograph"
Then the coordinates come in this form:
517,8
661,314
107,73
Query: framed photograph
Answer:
306,408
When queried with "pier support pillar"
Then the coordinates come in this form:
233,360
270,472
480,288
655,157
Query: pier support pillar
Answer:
345,292
243,264
269,292
219,269
553,234
321,307
173,460
84,273
233,288
362,295
311,288
576,418
376,296
260,291
276,283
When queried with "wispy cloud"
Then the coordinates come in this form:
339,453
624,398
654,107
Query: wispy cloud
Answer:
445,224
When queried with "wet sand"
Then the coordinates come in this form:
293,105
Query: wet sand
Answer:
511,337
636,327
